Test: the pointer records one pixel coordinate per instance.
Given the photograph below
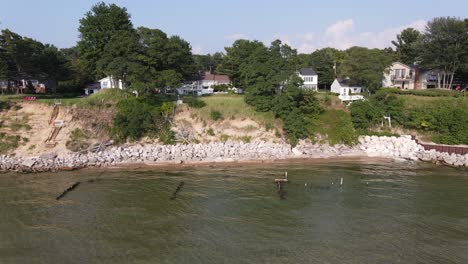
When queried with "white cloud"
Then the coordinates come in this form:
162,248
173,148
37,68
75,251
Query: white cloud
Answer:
197,50
236,36
344,34
383,38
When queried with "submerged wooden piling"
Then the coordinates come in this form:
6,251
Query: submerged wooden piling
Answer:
179,188
285,179
279,183
69,189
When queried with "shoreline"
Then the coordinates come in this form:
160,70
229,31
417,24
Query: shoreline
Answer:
205,164
231,153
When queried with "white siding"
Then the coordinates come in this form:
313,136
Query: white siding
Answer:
335,87
310,81
399,75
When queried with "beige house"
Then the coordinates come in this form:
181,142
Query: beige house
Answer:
409,77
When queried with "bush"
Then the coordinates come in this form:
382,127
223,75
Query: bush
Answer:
8,142
337,125
220,87
423,92
363,114
294,125
377,133
224,138
215,115
210,132
167,136
445,119
4,105
246,139
194,102
78,140
261,103
138,117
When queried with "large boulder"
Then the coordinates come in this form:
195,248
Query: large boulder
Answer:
28,163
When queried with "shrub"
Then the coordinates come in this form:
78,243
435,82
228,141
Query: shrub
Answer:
138,117
294,126
424,92
78,140
78,134
8,142
224,138
167,136
210,132
327,100
215,115
377,133
194,102
363,114
337,125
246,139
220,87
4,105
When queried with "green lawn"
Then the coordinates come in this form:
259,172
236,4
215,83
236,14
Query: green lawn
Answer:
234,107
104,97
417,101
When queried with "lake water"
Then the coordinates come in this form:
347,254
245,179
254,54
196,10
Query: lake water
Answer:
383,213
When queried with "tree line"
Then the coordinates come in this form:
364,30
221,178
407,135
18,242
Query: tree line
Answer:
146,58
443,46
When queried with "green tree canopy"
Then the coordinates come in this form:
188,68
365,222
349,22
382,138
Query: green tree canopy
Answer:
121,57
407,45
444,47
365,66
97,28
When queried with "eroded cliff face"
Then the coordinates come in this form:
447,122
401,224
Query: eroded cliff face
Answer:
33,125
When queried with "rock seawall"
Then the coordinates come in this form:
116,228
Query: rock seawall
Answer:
386,147
404,147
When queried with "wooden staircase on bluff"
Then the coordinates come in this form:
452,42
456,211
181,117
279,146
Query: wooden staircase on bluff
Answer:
57,126
54,114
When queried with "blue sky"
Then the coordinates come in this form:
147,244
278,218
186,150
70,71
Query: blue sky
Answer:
211,25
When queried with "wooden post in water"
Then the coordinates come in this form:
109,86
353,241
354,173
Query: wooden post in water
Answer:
285,179
279,183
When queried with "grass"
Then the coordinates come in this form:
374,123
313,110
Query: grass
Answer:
425,92
234,107
336,126
330,101
8,142
104,98
418,101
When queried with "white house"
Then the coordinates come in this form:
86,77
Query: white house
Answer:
345,91
194,89
310,78
105,83
210,79
109,82
400,75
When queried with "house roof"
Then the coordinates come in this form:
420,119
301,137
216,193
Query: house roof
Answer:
107,78
307,71
346,82
215,77
414,67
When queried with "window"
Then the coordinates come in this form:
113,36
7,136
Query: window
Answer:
104,84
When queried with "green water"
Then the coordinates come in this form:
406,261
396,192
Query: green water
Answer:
383,213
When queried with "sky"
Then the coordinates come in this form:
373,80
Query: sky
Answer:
211,25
